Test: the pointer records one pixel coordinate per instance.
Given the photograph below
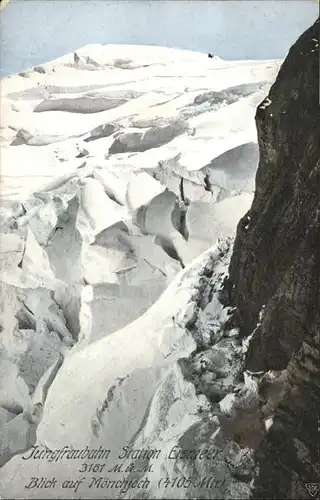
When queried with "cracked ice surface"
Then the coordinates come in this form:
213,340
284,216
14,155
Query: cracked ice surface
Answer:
120,166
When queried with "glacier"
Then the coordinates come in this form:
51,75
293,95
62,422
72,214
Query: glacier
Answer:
124,173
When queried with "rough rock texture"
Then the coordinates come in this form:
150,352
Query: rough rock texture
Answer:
289,455
274,271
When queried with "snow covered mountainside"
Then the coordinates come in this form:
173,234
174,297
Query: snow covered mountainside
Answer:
124,173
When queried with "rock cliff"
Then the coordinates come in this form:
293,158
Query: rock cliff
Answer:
274,280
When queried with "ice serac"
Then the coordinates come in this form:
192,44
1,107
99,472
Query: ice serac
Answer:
109,158
128,392
274,272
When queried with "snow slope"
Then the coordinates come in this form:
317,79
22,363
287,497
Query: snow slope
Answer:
120,166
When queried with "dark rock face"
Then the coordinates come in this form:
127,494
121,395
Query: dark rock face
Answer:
274,274
277,244
288,457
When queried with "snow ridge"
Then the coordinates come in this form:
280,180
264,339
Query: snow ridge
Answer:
121,165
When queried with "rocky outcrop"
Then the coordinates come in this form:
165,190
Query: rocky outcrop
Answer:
274,277
289,455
